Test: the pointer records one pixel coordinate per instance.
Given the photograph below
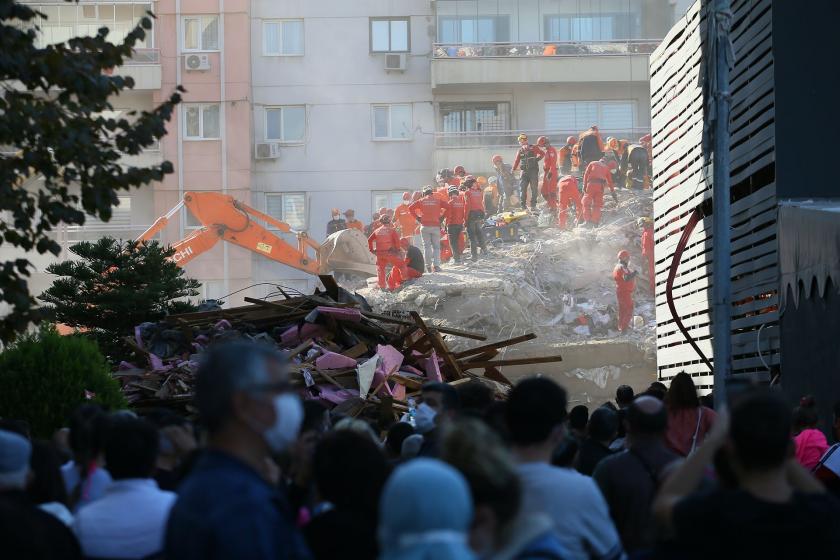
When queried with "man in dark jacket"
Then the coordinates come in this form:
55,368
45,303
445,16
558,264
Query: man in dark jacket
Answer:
601,430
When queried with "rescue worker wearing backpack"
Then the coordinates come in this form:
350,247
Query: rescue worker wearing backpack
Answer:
528,158
384,242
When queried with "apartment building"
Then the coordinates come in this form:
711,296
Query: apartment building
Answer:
299,107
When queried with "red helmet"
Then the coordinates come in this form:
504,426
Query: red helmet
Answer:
497,158
542,141
382,211
468,179
624,255
459,170
406,195
386,219
571,140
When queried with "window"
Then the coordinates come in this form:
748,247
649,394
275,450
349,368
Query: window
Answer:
61,23
571,116
283,38
201,121
120,215
474,117
213,289
592,27
387,199
473,29
392,122
285,124
389,35
200,33
287,207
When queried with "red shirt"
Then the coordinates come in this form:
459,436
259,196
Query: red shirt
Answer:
622,286
385,238
429,209
456,215
550,159
597,172
683,423
475,200
405,221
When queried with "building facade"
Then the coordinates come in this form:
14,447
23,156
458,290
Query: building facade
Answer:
299,107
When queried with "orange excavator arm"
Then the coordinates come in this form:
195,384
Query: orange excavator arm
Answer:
225,218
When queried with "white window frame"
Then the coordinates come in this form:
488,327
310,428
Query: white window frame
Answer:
599,103
407,19
392,194
390,137
201,18
280,23
302,140
201,107
283,206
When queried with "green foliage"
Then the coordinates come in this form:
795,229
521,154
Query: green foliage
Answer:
67,155
43,379
115,287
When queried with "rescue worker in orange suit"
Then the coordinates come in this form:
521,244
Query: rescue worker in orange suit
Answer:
429,211
549,182
569,194
647,249
474,198
352,222
385,244
564,156
528,157
405,222
455,218
337,223
591,146
625,283
596,178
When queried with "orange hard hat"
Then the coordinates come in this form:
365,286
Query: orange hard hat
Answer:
541,141
623,255
482,180
497,158
571,140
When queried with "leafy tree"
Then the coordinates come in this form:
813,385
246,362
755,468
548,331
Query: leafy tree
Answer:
51,107
115,287
45,376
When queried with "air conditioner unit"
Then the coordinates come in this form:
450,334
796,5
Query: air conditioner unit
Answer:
395,62
267,150
197,62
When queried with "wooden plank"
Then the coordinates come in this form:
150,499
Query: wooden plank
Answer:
495,345
439,345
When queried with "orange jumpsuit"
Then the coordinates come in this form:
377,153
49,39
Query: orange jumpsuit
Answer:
625,283
405,221
385,244
647,251
549,183
596,177
356,224
569,194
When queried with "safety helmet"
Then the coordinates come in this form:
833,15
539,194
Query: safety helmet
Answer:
644,221
468,179
522,138
497,159
624,255
482,180
571,140
427,190
404,242
459,170
612,143
386,219
406,195
542,141
382,211
415,196
492,180
452,190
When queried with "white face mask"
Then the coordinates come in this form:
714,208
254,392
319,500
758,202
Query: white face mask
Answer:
289,416
424,418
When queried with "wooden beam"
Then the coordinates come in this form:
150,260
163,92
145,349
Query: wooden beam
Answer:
496,375
516,362
439,345
495,345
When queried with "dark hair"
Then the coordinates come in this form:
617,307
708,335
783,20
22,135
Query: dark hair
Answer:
448,395
760,430
656,391
131,448
313,416
47,484
624,395
610,405
19,427
682,394
579,417
396,436
805,415
88,430
475,396
837,410
603,424
535,407
641,421
350,470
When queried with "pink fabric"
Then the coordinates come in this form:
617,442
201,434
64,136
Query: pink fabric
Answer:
810,447
345,313
331,360
681,426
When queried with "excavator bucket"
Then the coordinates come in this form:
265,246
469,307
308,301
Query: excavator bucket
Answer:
346,252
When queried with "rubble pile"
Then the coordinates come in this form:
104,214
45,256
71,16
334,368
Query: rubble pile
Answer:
354,360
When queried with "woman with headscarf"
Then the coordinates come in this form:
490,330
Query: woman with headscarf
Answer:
425,513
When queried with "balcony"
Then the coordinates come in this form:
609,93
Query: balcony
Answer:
540,62
144,67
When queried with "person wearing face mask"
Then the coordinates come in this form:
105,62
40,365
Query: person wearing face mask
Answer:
440,405
227,507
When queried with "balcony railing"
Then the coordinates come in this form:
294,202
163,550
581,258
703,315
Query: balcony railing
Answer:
66,236
507,138
547,49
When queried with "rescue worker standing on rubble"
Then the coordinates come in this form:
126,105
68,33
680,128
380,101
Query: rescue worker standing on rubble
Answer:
564,156
405,222
385,244
625,283
428,211
637,170
337,223
352,222
474,198
455,219
504,180
569,194
550,178
596,178
647,249
528,157
591,146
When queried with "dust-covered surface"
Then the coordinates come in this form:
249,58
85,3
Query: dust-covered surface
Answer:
558,285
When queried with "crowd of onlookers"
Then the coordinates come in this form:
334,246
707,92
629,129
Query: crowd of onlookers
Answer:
266,474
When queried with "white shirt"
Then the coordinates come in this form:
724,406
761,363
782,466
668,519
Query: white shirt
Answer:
129,521
577,507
